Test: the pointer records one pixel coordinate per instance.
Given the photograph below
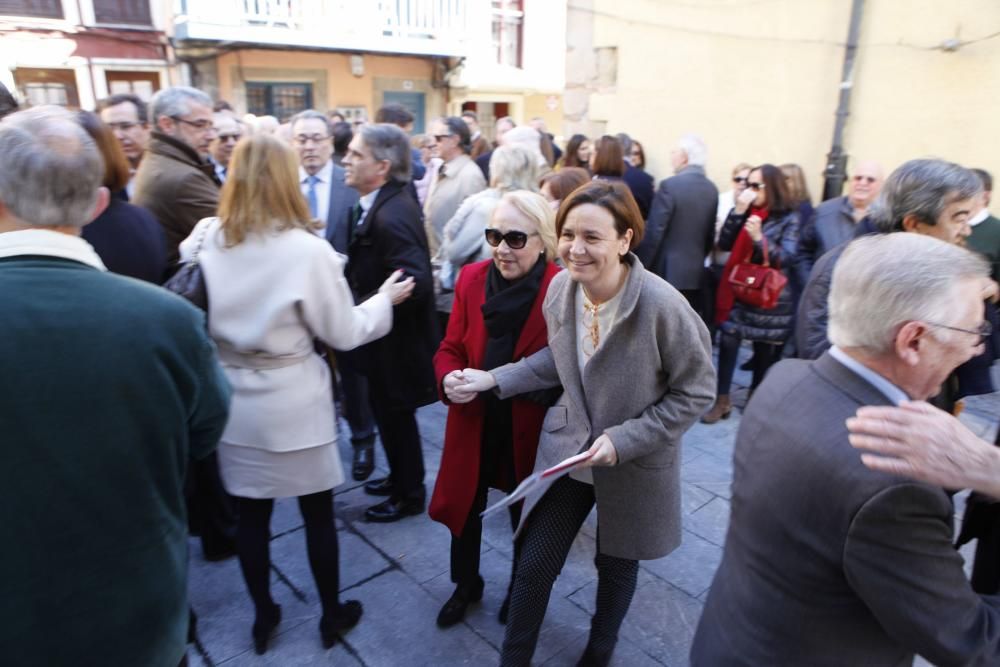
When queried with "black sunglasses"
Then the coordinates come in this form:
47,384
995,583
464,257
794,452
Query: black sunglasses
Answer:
739,179
756,187
515,240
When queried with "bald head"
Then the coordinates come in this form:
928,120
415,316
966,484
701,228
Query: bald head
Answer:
866,182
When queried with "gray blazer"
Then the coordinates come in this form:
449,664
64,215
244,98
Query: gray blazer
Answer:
827,562
338,217
680,228
645,386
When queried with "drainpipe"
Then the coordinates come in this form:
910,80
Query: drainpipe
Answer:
836,161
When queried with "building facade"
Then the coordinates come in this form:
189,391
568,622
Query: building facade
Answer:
760,81
75,52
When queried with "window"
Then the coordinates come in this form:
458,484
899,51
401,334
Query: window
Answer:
143,84
129,12
508,18
282,100
46,9
47,86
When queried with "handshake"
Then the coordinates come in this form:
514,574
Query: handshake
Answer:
463,386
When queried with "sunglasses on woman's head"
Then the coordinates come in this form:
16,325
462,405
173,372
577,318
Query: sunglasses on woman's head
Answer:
515,240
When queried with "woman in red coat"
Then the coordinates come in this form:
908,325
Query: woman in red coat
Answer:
496,318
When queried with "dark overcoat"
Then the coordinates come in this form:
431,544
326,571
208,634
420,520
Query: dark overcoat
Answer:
391,236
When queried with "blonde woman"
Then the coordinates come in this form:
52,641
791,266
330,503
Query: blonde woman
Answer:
511,168
497,319
274,287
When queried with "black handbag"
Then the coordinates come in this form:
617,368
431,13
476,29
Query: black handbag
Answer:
189,281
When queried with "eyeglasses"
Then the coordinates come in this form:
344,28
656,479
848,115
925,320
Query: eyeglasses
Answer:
982,333
202,125
867,179
439,137
515,240
739,179
304,139
756,187
230,137
123,127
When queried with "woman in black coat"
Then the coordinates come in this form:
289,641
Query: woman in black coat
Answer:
127,238
763,212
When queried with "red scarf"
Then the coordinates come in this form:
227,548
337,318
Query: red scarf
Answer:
742,251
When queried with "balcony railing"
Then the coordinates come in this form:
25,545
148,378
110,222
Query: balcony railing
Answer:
426,27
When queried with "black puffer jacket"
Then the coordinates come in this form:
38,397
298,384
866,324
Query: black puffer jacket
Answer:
756,324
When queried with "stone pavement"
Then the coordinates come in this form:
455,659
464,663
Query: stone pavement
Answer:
400,572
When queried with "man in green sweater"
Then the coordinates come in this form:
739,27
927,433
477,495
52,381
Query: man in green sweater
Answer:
108,386
985,236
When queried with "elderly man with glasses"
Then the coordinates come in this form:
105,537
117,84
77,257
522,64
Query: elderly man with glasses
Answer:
175,181
228,132
827,562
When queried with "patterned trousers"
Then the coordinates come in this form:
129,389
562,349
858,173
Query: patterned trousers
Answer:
544,544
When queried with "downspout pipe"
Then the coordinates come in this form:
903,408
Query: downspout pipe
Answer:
835,172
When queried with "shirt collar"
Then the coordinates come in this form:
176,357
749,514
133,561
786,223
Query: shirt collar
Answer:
367,200
888,389
322,176
979,217
49,244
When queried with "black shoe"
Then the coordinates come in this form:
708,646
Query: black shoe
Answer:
453,610
364,460
219,550
192,626
747,365
344,619
379,487
263,628
392,509
592,658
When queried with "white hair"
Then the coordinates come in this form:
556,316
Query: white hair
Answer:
695,149
52,169
527,137
884,281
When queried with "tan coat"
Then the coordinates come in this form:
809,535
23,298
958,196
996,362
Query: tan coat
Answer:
174,183
644,387
456,179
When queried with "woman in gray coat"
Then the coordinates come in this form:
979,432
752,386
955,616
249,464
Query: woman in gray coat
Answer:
634,361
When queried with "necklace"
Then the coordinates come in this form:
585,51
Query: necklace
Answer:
591,308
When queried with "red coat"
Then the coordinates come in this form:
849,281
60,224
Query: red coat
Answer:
463,346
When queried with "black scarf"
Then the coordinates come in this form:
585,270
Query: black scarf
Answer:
507,306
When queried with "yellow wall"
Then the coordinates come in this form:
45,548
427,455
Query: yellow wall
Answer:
760,80
334,85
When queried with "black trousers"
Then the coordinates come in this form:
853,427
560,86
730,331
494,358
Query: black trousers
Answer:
401,440
253,544
544,545
357,407
466,547
765,355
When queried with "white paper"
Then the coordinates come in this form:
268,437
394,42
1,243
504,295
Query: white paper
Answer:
539,481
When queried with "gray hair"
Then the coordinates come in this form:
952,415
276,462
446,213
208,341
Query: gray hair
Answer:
52,168
625,141
883,281
922,188
388,142
177,101
514,168
312,114
695,149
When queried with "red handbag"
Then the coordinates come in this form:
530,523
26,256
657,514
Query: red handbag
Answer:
757,285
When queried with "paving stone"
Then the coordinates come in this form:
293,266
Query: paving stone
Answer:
564,622
710,522
400,630
219,597
690,567
661,621
693,497
626,654
419,546
712,472
299,646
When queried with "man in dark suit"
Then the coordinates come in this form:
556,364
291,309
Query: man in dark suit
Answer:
110,386
680,227
827,562
330,201
388,235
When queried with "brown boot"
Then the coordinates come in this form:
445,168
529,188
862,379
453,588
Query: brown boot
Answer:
720,410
